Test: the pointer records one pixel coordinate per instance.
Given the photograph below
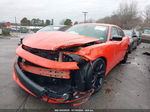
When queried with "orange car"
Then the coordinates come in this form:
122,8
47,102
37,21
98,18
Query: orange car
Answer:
63,67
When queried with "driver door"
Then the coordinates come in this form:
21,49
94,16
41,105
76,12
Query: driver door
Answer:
117,45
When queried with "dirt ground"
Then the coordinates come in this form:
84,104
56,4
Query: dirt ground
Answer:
127,86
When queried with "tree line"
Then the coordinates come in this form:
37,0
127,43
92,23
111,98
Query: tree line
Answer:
35,22
39,22
127,16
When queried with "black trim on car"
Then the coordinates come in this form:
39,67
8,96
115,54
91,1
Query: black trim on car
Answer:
36,89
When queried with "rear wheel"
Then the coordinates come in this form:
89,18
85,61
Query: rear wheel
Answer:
125,57
130,48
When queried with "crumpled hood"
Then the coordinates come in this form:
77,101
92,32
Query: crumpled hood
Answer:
55,40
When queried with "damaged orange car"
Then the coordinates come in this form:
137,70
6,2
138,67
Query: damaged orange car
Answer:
63,67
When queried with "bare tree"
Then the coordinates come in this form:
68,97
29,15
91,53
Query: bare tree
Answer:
146,16
126,16
90,20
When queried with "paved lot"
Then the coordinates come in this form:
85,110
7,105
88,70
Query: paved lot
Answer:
126,87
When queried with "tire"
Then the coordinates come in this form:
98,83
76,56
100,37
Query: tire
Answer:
136,47
130,48
136,44
94,74
125,58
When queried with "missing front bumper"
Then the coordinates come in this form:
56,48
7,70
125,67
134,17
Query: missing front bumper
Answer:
45,93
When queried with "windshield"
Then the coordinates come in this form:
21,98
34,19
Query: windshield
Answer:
95,31
49,28
147,31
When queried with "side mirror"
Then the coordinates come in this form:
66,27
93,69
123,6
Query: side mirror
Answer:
20,42
117,38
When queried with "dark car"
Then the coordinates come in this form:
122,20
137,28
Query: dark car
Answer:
49,28
54,28
24,30
138,34
133,39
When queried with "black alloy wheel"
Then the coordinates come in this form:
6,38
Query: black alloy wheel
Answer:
96,74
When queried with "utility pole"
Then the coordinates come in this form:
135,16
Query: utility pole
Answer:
52,22
84,16
16,23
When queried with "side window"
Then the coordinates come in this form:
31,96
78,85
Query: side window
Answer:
114,32
120,32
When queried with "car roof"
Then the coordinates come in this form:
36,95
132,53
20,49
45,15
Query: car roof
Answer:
146,28
57,25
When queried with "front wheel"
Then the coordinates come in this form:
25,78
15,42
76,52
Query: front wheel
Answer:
95,74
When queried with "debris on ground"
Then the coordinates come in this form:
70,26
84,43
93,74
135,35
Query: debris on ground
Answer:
118,80
107,91
128,63
146,53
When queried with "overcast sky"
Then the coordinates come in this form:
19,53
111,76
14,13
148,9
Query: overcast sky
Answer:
60,9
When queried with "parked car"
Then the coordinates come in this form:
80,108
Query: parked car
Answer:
47,29
6,31
133,39
15,30
1,31
35,29
54,28
138,34
146,35
64,67
24,30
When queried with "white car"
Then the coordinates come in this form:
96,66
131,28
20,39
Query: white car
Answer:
146,35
